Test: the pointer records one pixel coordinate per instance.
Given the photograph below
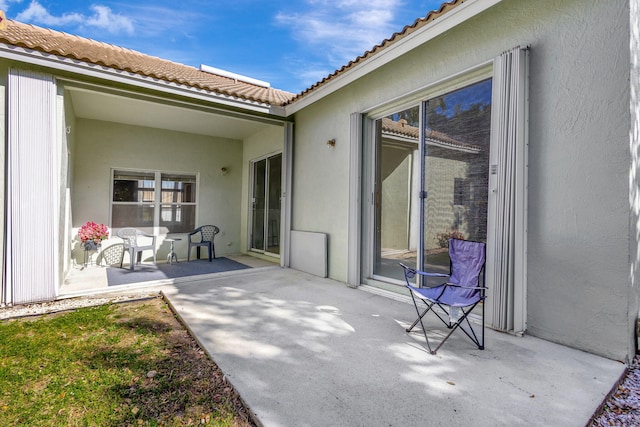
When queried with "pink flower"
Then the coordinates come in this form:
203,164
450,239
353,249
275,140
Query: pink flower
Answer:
93,231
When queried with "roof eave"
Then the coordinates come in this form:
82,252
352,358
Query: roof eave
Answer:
62,63
442,24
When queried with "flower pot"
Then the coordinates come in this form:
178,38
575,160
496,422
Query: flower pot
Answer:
91,245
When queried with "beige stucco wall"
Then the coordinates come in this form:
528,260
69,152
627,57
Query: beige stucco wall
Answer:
270,141
579,283
634,144
101,146
321,177
395,201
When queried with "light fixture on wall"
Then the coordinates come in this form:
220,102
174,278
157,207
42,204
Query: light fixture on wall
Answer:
331,143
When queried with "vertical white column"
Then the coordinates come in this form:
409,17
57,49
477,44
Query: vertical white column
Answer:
32,188
355,201
507,240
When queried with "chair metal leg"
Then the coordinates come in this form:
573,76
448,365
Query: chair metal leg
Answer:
458,324
419,319
451,326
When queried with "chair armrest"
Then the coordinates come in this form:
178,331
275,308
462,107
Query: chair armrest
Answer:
412,272
426,273
193,233
465,287
150,236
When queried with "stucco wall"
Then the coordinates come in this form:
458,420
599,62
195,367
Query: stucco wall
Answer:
101,146
321,178
634,143
578,179
395,203
578,252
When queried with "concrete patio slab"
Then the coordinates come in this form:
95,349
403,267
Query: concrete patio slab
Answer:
88,280
306,351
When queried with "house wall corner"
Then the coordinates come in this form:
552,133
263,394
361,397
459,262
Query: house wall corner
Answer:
634,178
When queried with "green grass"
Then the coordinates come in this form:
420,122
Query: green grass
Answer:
93,367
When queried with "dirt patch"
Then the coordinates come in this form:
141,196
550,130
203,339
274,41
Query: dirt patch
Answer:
194,377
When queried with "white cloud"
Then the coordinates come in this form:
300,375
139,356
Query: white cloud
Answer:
105,19
6,4
37,14
154,20
102,18
342,29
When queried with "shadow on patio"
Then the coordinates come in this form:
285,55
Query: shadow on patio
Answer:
305,351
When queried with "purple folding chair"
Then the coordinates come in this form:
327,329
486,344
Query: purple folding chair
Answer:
458,296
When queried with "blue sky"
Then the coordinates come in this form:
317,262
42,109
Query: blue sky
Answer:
289,43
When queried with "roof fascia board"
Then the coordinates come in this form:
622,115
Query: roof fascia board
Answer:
61,63
76,85
430,31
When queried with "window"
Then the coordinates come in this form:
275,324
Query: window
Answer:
178,202
136,196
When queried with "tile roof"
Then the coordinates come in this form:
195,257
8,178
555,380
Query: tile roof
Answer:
407,30
118,58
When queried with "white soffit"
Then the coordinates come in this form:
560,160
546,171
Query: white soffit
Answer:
442,24
137,112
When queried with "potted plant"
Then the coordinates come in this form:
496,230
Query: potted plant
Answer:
92,234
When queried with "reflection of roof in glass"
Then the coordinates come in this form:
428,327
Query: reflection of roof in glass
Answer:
402,129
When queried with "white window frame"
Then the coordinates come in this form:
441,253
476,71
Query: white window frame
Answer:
157,199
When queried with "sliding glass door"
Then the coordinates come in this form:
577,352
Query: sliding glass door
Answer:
431,180
455,171
397,180
265,205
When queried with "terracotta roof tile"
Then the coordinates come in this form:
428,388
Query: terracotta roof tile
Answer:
91,51
418,23
118,58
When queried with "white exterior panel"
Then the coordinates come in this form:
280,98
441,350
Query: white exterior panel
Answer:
33,183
